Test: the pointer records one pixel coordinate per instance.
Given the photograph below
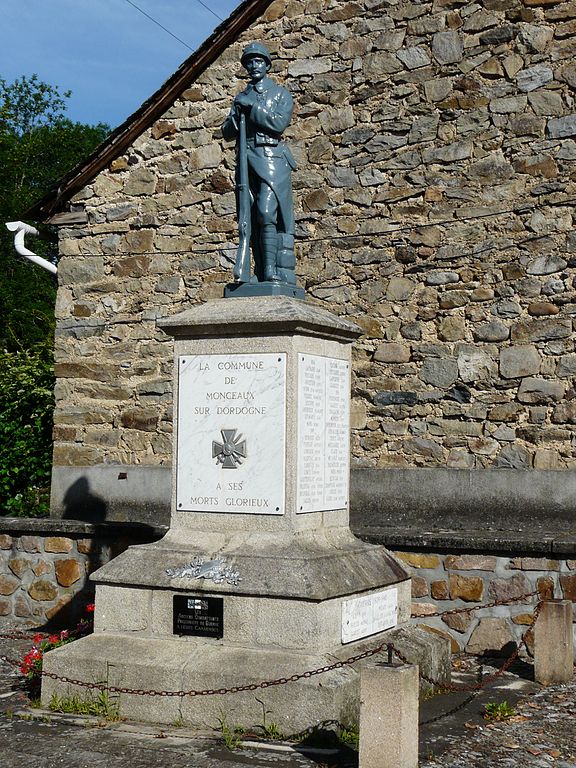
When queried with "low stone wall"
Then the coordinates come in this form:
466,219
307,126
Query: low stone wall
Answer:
45,565
442,581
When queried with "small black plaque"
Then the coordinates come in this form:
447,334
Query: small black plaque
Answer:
198,615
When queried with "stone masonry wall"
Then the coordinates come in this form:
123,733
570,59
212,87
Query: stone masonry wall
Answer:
434,204
443,581
44,569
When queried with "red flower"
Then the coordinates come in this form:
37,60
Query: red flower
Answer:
90,608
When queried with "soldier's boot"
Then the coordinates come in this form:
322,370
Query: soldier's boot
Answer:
270,252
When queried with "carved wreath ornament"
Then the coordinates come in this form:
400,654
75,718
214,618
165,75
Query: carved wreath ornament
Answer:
214,570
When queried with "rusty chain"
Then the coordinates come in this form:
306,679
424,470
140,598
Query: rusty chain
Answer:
470,608
489,678
388,647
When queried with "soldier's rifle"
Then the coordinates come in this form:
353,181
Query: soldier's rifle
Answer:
242,266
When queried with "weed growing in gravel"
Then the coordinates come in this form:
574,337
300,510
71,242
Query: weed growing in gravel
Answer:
500,711
232,736
102,706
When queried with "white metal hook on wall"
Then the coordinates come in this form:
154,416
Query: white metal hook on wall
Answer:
21,229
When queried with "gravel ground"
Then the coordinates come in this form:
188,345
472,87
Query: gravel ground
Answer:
453,731
541,733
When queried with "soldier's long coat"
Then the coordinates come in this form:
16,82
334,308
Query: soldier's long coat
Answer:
268,157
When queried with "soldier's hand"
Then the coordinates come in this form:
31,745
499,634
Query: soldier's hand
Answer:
244,101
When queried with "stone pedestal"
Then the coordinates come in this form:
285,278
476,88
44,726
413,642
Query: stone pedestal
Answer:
259,576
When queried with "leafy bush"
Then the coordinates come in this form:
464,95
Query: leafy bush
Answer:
26,405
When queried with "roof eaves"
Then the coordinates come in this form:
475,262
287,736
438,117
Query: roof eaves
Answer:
153,108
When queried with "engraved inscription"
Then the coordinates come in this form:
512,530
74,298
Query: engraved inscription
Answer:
367,615
198,616
231,416
323,433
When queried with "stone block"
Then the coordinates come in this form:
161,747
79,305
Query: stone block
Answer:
565,413
543,309
68,571
523,619
389,716
534,77
6,541
414,57
470,562
122,609
536,390
60,610
132,266
561,127
519,361
452,329
545,587
29,543
392,352
475,366
400,289
420,610
419,587
459,622
58,544
541,329
568,584
140,181
42,567
43,590
419,560
447,47
440,590
490,634
8,584
22,607
546,265
337,120
19,565
534,564
514,457
509,589
467,588
440,372
554,643
5,607
142,419
494,330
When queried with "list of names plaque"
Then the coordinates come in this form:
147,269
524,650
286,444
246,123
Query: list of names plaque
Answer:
231,433
369,614
323,433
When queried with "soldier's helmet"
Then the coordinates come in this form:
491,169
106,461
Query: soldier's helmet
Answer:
255,49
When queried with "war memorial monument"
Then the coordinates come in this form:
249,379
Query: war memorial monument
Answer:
259,576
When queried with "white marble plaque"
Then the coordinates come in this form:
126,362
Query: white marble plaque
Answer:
323,433
231,433
365,616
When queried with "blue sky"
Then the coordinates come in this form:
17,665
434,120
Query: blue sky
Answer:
106,52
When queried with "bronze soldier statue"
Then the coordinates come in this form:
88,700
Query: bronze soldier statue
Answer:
257,119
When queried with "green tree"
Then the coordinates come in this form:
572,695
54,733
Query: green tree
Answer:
38,145
26,403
